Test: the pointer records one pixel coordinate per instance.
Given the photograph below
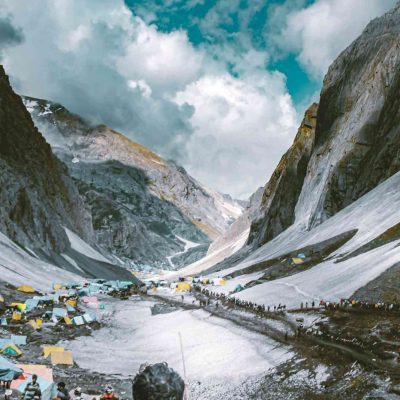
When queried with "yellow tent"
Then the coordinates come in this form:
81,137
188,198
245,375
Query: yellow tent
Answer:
11,350
71,303
205,281
63,357
20,306
51,349
33,324
182,286
297,260
39,321
67,320
57,286
16,316
26,289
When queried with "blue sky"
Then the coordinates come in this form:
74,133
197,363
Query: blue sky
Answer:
219,86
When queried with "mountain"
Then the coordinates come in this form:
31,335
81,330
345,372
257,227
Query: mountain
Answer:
147,212
333,198
40,204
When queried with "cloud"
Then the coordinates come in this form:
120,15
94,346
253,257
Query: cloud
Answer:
319,32
213,108
241,128
9,34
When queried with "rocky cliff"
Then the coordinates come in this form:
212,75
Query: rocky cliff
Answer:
146,211
37,195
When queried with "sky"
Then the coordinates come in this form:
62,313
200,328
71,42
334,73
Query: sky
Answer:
219,86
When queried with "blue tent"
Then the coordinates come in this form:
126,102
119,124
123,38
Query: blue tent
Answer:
31,304
8,370
18,340
59,312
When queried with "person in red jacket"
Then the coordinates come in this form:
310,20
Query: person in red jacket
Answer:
109,394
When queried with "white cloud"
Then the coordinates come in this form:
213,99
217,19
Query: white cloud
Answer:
241,128
319,32
108,65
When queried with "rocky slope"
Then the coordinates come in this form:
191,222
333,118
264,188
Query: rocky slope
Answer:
39,201
145,210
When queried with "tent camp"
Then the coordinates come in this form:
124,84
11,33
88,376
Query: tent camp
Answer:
62,357
8,370
45,379
26,289
11,350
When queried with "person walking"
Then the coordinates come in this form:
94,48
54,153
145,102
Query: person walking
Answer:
32,390
62,392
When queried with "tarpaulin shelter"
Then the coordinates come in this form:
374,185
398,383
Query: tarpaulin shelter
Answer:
8,370
70,308
19,340
12,350
26,289
51,349
90,299
33,324
45,379
71,303
78,320
59,312
180,286
16,316
63,358
297,260
31,304
19,306
66,320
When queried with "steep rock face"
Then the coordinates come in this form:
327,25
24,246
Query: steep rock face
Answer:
280,195
144,208
357,136
37,195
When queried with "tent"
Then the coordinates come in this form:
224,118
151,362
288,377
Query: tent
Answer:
238,287
71,303
180,286
11,350
19,306
78,321
8,370
45,379
26,289
33,324
16,316
51,349
218,281
297,260
87,299
88,318
3,321
59,312
18,340
31,304
70,308
67,320
57,286
62,357
301,255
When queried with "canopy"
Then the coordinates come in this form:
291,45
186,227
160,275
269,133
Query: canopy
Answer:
45,379
64,358
11,349
26,289
51,349
59,312
8,370
20,306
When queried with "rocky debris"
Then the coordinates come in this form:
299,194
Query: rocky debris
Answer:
37,194
282,191
158,382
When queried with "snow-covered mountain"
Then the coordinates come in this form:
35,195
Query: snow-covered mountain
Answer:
334,196
145,210
40,205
